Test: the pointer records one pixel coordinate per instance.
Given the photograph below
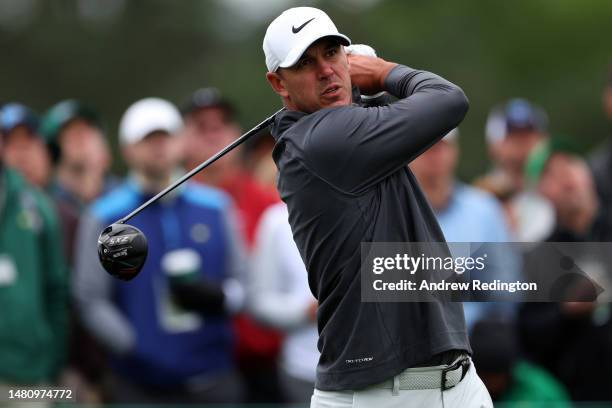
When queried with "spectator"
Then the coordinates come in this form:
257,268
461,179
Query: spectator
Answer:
81,158
24,150
503,191
573,340
564,179
210,125
161,351
280,297
510,378
512,130
33,286
457,205
257,161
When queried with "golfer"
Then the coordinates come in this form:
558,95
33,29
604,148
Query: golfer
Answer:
343,174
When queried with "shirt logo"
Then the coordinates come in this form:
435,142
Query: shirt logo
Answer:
297,30
359,360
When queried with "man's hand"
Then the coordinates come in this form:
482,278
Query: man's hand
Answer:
369,73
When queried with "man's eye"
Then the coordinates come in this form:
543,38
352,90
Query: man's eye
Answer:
304,63
331,52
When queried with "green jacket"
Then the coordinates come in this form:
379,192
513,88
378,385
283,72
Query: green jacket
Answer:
33,285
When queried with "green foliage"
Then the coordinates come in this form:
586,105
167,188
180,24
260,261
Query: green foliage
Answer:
554,52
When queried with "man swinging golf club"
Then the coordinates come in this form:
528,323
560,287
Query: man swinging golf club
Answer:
344,178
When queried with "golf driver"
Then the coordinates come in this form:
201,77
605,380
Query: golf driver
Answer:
122,248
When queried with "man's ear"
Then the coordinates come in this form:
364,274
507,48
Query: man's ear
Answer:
277,84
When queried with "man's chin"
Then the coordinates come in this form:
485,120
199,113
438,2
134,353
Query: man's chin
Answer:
335,103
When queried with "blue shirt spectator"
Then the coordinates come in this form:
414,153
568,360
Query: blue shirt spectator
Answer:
467,215
475,216
163,350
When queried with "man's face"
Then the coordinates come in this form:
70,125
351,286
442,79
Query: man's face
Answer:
155,156
84,159
82,143
511,153
567,183
26,153
437,162
320,79
206,132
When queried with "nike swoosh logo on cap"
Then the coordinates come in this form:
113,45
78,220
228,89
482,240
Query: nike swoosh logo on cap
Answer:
297,30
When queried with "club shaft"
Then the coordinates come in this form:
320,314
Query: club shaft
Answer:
203,165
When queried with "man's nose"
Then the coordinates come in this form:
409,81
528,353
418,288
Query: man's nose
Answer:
324,68
571,180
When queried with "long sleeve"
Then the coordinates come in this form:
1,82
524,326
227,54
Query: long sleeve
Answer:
92,291
278,293
354,147
236,259
233,287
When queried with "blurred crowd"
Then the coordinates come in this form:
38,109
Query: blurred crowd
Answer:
222,310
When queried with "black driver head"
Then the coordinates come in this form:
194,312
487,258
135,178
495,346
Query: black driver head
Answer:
122,250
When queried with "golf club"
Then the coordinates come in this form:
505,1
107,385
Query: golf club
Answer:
122,248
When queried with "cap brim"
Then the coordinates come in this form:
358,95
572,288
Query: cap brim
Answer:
145,131
295,54
31,126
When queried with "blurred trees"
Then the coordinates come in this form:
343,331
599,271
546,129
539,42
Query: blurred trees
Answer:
112,52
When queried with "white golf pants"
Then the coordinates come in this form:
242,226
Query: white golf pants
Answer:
469,393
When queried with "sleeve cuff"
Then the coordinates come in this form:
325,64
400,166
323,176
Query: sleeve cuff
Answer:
394,79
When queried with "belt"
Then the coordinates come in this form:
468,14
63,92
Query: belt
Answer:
443,377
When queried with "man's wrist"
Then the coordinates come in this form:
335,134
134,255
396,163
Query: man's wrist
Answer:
395,82
386,68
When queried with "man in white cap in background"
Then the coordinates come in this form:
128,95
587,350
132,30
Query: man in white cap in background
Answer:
344,178
162,350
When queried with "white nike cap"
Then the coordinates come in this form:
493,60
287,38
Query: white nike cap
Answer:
452,136
291,33
147,116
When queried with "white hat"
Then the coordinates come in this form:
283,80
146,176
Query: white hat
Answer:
291,33
147,116
452,135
